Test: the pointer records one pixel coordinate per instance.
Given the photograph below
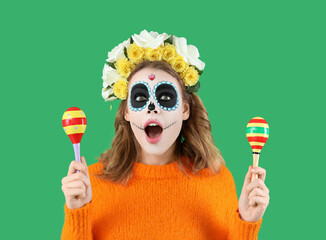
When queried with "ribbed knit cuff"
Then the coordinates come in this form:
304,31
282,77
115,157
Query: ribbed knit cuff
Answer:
78,221
244,230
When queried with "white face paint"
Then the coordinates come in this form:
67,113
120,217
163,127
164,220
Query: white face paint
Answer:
159,100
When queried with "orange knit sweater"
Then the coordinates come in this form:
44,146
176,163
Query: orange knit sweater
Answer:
160,202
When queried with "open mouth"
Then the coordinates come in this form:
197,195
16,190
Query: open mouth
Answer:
153,132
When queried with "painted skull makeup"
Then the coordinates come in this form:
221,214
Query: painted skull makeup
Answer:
139,96
155,109
151,77
164,93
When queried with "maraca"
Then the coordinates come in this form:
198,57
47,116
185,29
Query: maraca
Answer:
74,124
257,134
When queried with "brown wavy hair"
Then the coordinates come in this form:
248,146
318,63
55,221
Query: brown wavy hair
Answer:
197,150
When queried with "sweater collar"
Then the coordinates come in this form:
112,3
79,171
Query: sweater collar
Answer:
170,170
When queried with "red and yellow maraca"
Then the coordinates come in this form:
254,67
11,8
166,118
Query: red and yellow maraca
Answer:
257,133
74,124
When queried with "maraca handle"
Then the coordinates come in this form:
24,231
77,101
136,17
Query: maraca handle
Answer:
77,152
255,164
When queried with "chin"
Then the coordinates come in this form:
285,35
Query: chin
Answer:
158,148
155,150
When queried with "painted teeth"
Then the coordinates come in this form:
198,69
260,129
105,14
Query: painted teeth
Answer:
152,124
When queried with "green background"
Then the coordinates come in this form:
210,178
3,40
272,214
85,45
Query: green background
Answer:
262,59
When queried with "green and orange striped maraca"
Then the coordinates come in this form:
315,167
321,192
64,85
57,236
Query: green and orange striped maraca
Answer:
257,133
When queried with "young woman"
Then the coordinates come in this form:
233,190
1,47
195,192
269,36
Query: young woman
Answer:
163,177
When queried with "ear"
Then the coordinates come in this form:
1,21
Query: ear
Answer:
186,111
127,114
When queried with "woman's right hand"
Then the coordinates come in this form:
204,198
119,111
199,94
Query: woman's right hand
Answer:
76,186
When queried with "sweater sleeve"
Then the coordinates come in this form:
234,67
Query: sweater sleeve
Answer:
77,223
238,228
243,230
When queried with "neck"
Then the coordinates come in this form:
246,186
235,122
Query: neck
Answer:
162,159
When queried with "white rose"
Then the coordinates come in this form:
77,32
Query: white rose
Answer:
107,93
189,52
149,39
110,75
118,51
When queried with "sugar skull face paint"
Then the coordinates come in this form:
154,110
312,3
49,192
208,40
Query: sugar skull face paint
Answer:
155,109
164,93
140,94
151,77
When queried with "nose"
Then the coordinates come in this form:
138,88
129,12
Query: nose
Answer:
152,108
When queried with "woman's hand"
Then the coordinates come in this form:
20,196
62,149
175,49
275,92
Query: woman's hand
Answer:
76,186
254,197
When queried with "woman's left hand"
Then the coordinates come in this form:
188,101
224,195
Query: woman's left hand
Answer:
254,197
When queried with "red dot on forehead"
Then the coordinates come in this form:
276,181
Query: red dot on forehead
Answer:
151,77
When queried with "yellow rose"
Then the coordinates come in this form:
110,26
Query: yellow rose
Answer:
124,67
135,53
190,76
154,54
178,64
169,52
120,88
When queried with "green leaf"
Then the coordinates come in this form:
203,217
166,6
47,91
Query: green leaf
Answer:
168,40
125,52
111,95
199,71
194,88
131,40
111,65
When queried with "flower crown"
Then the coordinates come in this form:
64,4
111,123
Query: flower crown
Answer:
152,46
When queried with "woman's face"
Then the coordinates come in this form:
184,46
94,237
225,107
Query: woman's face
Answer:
155,96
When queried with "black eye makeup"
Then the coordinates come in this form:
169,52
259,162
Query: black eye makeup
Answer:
165,94
139,96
